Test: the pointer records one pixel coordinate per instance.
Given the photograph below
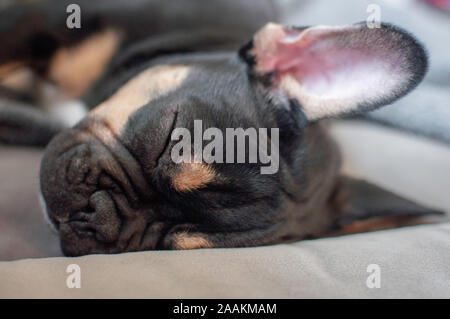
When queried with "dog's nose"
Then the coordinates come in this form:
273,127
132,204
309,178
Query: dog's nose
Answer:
102,220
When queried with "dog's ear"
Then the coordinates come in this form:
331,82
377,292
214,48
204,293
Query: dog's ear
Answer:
333,71
356,200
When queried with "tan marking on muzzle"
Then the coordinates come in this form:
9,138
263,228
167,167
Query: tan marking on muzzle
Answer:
140,90
75,68
186,241
192,176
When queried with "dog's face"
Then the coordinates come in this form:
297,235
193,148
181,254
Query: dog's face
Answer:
111,183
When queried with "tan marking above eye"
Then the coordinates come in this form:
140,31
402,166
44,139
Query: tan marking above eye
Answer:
75,68
140,90
187,241
192,176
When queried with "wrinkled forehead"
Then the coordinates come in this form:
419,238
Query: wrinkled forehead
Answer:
216,83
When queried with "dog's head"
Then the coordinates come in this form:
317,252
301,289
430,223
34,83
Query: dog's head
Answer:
122,180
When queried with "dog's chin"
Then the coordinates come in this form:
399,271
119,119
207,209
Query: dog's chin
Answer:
73,244
76,242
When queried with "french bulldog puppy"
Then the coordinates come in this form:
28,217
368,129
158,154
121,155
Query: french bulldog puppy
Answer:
110,184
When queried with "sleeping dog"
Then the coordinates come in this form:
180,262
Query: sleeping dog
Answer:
145,68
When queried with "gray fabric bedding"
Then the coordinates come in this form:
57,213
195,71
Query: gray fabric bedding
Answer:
413,263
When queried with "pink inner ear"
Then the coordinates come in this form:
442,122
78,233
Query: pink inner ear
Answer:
330,71
333,63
